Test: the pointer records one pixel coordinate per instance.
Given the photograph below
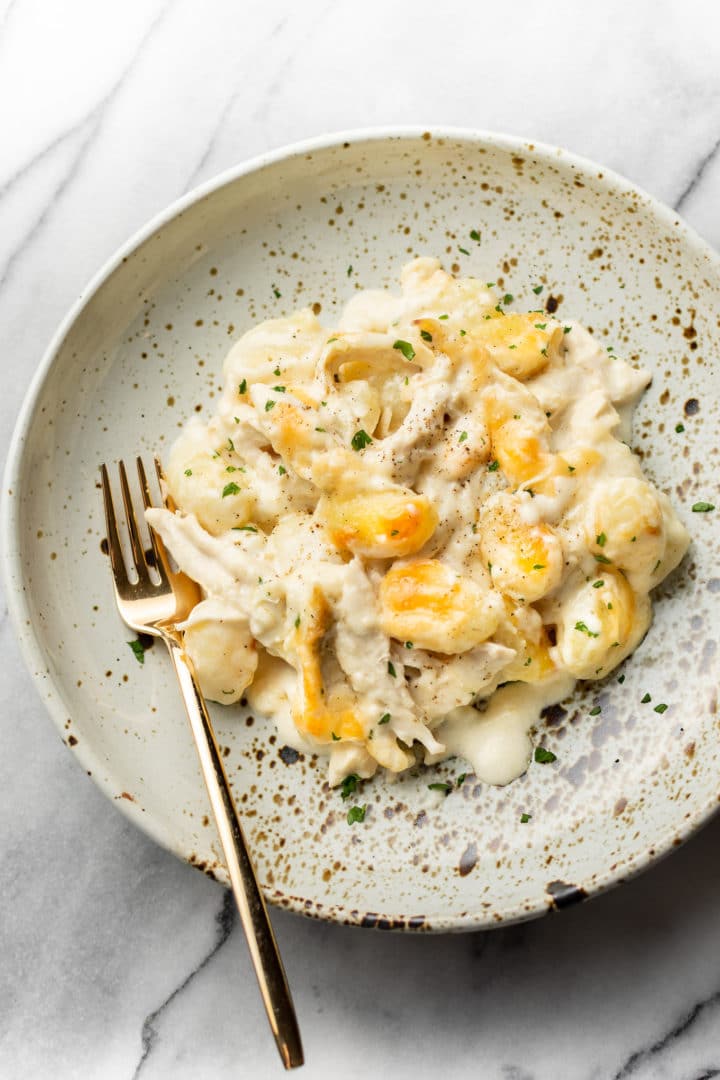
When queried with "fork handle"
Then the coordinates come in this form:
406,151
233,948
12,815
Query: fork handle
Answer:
248,897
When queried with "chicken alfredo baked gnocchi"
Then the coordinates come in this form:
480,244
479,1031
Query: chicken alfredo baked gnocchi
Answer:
415,531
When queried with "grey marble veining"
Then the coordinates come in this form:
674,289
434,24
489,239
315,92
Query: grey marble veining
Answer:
117,960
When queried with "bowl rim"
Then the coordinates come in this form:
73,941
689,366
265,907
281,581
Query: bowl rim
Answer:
31,649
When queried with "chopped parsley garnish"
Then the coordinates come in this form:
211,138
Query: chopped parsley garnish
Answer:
538,289
230,468
394,532
584,629
567,329
475,235
508,298
242,388
405,348
244,528
409,645
282,470
644,700
660,708
461,779
493,466
297,621
385,718
230,489
463,250
440,786
335,738
391,669
270,404
539,566
598,584
463,436
540,325
543,756
231,445
490,284
138,650
425,335
602,559
571,468
188,472
702,507
621,678
276,293
356,813
499,309
349,785
330,340
276,371
524,818
349,271
321,430
443,316
679,428
279,389
360,440
601,539
595,711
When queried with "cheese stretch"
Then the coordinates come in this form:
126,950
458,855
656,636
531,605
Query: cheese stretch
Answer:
393,519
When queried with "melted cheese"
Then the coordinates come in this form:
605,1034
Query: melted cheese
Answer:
391,519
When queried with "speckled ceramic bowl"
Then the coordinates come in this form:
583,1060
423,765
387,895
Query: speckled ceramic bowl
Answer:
142,351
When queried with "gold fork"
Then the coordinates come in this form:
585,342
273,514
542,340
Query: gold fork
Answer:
156,609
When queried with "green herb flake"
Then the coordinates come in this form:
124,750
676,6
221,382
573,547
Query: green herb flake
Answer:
349,271
584,629
330,340
188,472
538,289
279,389
425,335
524,818
439,786
602,559
231,445
409,645
539,566
499,309
230,468
460,780
405,348
360,440
244,528
621,678
349,785
230,489
660,708
493,466
679,428
571,468
598,584
595,711
242,388
138,650
297,621
443,317
601,539
270,404
335,738
508,298
282,470
702,507
644,700
490,284
463,251
475,235
277,371
541,326
356,814
543,756
385,718
463,436
567,329
276,293
321,430
391,669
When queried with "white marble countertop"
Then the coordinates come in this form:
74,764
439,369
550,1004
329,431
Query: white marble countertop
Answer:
117,960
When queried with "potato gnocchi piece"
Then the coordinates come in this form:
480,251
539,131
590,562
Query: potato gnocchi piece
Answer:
277,351
626,525
222,651
599,624
203,481
428,604
379,524
521,345
524,561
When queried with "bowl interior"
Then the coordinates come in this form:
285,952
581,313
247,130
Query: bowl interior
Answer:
145,353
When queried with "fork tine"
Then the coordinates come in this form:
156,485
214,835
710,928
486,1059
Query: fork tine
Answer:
168,500
161,559
115,551
135,544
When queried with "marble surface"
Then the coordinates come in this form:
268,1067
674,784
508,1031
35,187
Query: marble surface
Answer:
117,960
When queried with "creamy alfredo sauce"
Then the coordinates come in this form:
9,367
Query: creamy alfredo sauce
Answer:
418,529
